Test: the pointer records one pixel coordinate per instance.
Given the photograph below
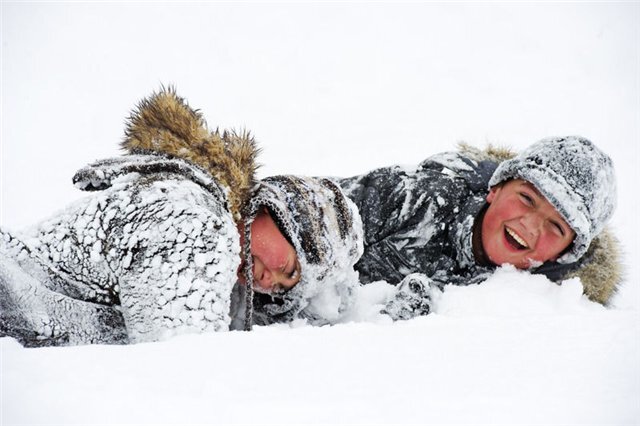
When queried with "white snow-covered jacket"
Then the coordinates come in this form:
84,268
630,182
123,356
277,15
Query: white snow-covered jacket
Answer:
157,244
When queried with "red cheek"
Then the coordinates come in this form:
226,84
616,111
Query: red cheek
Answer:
268,243
273,253
548,247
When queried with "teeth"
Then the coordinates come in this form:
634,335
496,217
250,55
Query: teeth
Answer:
517,238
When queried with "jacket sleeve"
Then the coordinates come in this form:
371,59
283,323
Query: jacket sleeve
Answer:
37,316
391,202
393,199
380,196
407,213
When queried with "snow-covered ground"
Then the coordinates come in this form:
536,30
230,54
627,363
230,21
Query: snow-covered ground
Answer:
335,89
515,350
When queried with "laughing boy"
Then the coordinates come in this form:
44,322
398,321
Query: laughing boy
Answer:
459,215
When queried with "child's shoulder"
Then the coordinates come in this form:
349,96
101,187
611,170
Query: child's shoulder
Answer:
468,162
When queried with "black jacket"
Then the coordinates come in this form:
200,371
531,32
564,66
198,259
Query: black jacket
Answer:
421,220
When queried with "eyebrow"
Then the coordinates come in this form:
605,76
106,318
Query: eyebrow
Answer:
530,186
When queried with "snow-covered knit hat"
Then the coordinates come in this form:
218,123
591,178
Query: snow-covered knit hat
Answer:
325,229
575,177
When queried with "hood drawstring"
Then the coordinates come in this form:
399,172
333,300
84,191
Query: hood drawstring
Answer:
249,211
248,276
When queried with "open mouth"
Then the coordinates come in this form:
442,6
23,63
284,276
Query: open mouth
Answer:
515,240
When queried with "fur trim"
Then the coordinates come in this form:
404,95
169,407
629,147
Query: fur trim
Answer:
491,153
164,123
601,270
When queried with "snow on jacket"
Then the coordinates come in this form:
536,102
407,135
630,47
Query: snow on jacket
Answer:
418,227
159,244
153,251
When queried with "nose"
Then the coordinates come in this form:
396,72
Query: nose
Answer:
532,223
266,280
262,276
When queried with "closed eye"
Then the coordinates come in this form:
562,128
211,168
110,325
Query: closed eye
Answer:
526,198
558,228
295,273
292,272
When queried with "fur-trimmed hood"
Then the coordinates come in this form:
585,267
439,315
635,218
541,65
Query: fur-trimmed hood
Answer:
165,124
600,269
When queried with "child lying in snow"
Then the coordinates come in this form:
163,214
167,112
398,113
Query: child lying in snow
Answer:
156,249
458,215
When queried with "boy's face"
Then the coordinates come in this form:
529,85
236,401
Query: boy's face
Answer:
275,263
521,227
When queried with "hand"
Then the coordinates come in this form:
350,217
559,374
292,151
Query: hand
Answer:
412,298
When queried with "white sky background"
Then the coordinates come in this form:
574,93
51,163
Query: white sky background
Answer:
334,89
327,88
